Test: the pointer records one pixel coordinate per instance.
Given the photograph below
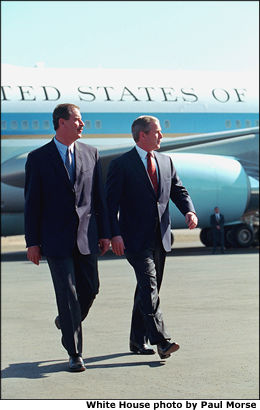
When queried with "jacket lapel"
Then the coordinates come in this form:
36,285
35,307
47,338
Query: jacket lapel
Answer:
140,169
161,170
58,164
78,159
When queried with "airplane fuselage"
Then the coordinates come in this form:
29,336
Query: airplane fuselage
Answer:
211,104
185,102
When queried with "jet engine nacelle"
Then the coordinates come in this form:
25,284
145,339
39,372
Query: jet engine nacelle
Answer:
211,180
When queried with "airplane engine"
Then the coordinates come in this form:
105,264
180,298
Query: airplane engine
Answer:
213,180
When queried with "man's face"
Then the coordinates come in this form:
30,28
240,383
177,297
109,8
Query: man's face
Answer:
216,210
151,140
72,128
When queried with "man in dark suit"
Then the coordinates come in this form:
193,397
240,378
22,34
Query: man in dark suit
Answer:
217,221
140,184
66,220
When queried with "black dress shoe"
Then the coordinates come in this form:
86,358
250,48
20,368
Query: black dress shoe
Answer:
140,349
76,364
166,348
57,322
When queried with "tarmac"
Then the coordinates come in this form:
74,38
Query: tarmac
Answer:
210,307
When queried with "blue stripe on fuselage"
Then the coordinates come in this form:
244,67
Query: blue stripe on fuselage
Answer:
120,123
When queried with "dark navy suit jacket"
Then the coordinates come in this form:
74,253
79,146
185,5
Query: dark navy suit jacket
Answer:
130,192
214,222
58,215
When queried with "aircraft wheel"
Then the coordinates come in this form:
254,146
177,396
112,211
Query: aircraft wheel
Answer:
244,235
206,236
256,237
230,241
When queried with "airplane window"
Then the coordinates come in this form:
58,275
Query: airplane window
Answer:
25,125
3,125
238,124
87,124
14,125
98,124
35,124
228,124
46,125
248,123
167,124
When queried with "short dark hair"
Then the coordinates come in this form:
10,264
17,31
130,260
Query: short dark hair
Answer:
142,123
62,111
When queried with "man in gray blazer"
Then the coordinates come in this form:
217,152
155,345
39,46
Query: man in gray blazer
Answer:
66,220
140,184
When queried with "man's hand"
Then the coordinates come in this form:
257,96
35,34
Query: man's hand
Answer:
104,245
34,254
118,246
191,220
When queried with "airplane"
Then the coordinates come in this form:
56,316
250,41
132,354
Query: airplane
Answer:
209,121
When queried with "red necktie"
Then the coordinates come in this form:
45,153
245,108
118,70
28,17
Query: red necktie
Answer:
151,168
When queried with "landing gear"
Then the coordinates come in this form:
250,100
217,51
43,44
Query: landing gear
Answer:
230,241
244,235
236,236
206,237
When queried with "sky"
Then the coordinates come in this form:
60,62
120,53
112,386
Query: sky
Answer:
178,35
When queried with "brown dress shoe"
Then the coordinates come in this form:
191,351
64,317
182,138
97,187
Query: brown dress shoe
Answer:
165,349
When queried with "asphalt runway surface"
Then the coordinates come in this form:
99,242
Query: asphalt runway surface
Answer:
210,307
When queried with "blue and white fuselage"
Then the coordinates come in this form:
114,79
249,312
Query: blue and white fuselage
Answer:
185,102
209,121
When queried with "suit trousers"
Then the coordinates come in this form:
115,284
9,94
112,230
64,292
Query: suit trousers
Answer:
147,320
76,284
218,237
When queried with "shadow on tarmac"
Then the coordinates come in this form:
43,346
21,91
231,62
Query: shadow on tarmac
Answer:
38,370
205,251
194,251
15,257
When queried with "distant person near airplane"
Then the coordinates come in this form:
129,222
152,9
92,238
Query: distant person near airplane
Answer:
217,221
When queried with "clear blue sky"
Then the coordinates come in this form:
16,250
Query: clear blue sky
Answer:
196,35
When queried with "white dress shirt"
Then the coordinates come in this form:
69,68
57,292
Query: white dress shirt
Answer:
63,150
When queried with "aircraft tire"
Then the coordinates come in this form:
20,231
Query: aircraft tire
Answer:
230,241
244,235
206,237
256,237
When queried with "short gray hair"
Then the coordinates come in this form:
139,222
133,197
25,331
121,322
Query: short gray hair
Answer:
142,123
